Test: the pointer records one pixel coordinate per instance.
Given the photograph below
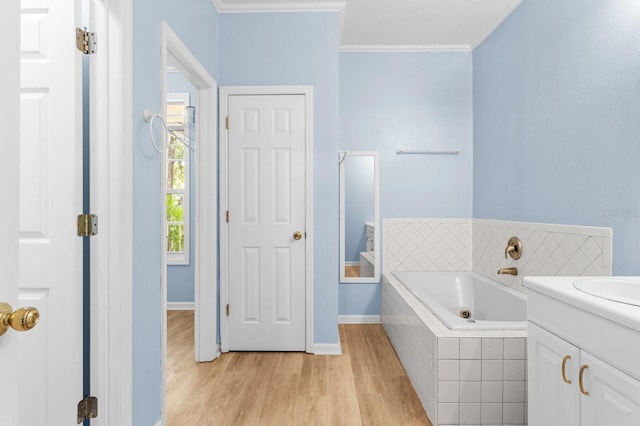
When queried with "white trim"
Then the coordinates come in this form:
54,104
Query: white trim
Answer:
225,92
181,306
359,319
405,48
111,198
327,349
159,423
318,6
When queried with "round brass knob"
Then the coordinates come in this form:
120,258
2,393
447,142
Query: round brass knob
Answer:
22,319
297,235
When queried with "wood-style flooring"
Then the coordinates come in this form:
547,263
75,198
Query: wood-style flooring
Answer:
365,386
351,271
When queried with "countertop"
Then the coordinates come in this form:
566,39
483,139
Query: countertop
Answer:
562,289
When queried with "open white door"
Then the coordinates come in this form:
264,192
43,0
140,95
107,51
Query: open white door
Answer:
10,94
45,183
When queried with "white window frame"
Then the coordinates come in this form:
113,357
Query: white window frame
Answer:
180,258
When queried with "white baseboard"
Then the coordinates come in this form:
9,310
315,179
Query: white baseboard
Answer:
181,306
327,349
359,319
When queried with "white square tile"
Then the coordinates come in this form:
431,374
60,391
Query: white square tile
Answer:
470,414
514,369
448,391
491,391
471,348
448,369
491,413
492,348
514,348
514,392
492,369
448,413
448,348
470,391
470,370
513,413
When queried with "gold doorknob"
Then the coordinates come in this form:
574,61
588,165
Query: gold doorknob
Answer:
297,235
22,319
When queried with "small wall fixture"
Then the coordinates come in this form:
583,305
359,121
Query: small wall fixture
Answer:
149,117
514,248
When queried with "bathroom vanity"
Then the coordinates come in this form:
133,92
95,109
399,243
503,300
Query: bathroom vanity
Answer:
583,351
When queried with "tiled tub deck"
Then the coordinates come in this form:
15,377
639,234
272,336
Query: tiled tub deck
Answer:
461,377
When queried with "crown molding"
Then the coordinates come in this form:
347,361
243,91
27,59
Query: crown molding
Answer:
405,48
224,7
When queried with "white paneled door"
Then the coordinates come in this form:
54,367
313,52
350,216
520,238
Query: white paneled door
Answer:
267,199
42,367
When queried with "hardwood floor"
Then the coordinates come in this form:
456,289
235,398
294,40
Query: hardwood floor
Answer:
365,386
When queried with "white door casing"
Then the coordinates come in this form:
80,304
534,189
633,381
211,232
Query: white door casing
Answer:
111,199
175,52
47,361
265,271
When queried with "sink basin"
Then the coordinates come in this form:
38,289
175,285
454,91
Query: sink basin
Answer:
623,290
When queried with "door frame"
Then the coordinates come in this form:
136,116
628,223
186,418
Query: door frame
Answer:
225,93
205,232
111,176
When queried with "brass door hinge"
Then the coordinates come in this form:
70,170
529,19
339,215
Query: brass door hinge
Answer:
87,409
227,122
227,216
87,225
86,41
227,309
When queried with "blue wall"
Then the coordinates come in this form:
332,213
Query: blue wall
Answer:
298,49
557,119
196,23
392,101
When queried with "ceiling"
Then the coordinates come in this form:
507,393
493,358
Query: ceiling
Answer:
405,25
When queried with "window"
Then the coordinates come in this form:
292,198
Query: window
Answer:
179,125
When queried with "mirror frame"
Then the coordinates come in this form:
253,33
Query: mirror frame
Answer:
376,216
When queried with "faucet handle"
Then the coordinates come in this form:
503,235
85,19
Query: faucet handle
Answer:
514,248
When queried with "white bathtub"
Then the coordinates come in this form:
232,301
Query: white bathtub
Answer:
455,365
486,304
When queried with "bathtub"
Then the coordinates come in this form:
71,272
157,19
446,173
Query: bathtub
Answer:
467,301
464,372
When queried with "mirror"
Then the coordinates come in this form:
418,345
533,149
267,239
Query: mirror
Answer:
359,217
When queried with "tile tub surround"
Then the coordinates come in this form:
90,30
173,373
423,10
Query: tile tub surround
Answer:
478,245
461,377
547,250
427,245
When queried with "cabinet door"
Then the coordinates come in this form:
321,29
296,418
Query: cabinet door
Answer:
552,401
614,397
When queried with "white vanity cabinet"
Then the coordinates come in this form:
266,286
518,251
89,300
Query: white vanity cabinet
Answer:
555,395
583,365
